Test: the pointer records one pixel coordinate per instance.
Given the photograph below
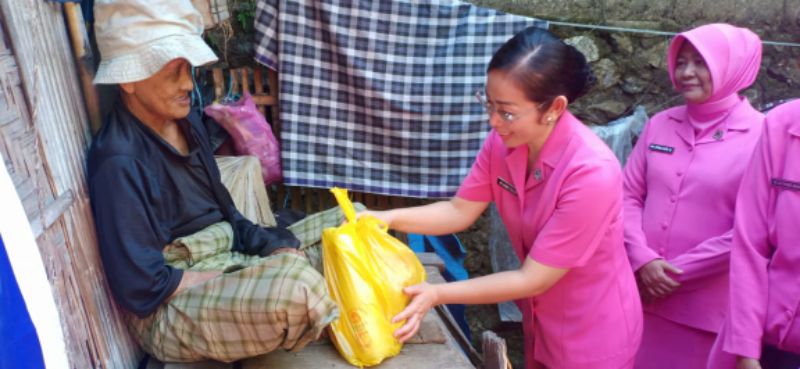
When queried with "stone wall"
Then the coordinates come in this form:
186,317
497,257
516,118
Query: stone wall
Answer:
631,67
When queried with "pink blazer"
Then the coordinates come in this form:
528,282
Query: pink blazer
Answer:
567,214
679,197
765,256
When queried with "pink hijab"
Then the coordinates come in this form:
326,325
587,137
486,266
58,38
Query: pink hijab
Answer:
733,57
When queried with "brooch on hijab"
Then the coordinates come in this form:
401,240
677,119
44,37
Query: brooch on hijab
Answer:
718,135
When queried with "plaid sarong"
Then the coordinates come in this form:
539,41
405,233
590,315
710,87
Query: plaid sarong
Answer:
261,304
378,96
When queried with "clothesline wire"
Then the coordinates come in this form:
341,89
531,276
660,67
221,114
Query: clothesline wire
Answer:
649,31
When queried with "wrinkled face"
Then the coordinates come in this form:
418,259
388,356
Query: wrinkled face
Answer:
165,95
516,119
692,75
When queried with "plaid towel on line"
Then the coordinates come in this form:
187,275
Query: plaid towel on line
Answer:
378,96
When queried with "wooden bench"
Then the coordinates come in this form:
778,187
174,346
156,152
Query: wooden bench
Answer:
436,346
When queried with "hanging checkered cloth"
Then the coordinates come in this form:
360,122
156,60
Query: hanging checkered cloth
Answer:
378,96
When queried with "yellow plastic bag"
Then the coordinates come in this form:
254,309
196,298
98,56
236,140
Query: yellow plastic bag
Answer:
366,270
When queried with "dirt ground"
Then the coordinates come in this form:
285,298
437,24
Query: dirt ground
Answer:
485,317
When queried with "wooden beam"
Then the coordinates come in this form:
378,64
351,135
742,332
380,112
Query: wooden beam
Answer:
245,81
85,62
264,100
51,213
461,339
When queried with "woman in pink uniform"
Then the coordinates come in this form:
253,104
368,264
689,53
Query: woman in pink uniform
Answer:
558,189
680,190
763,320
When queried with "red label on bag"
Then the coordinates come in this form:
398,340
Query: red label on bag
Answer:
360,329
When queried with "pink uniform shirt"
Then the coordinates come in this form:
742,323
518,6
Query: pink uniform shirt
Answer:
680,195
682,177
566,214
765,255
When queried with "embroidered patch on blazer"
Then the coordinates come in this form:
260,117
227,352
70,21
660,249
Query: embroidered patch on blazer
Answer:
661,148
786,184
506,185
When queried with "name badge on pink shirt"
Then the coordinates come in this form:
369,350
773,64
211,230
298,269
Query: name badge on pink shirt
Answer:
661,148
506,185
786,184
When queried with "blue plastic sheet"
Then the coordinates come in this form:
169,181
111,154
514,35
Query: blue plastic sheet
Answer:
19,342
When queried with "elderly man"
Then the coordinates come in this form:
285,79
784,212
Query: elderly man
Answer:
198,279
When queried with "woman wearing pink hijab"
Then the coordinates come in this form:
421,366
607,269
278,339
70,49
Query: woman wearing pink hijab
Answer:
680,186
762,329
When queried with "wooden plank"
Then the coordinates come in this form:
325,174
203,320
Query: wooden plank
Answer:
460,339
357,197
295,198
245,80
264,100
273,85
325,199
308,198
426,356
280,198
383,203
233,83
370,200
430,259
430,331
396,202
322,195
258,85
51,213
495,355
219,83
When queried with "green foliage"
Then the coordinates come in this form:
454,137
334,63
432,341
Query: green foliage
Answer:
245,13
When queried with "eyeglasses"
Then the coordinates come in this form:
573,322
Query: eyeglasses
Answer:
505,116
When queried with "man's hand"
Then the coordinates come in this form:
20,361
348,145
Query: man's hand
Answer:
191,279
654,283
287,250
747,363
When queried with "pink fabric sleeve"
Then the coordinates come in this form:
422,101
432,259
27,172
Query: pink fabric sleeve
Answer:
634,194
710,257
588,202
750,255
477,186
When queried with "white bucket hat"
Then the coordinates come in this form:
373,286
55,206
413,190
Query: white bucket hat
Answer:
137,38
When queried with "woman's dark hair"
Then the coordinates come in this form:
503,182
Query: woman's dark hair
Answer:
545,66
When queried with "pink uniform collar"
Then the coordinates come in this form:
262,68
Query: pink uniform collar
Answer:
552,151
552,148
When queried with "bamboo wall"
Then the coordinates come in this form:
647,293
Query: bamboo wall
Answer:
44,135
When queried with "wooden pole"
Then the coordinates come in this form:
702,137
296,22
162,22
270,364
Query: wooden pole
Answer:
84,58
